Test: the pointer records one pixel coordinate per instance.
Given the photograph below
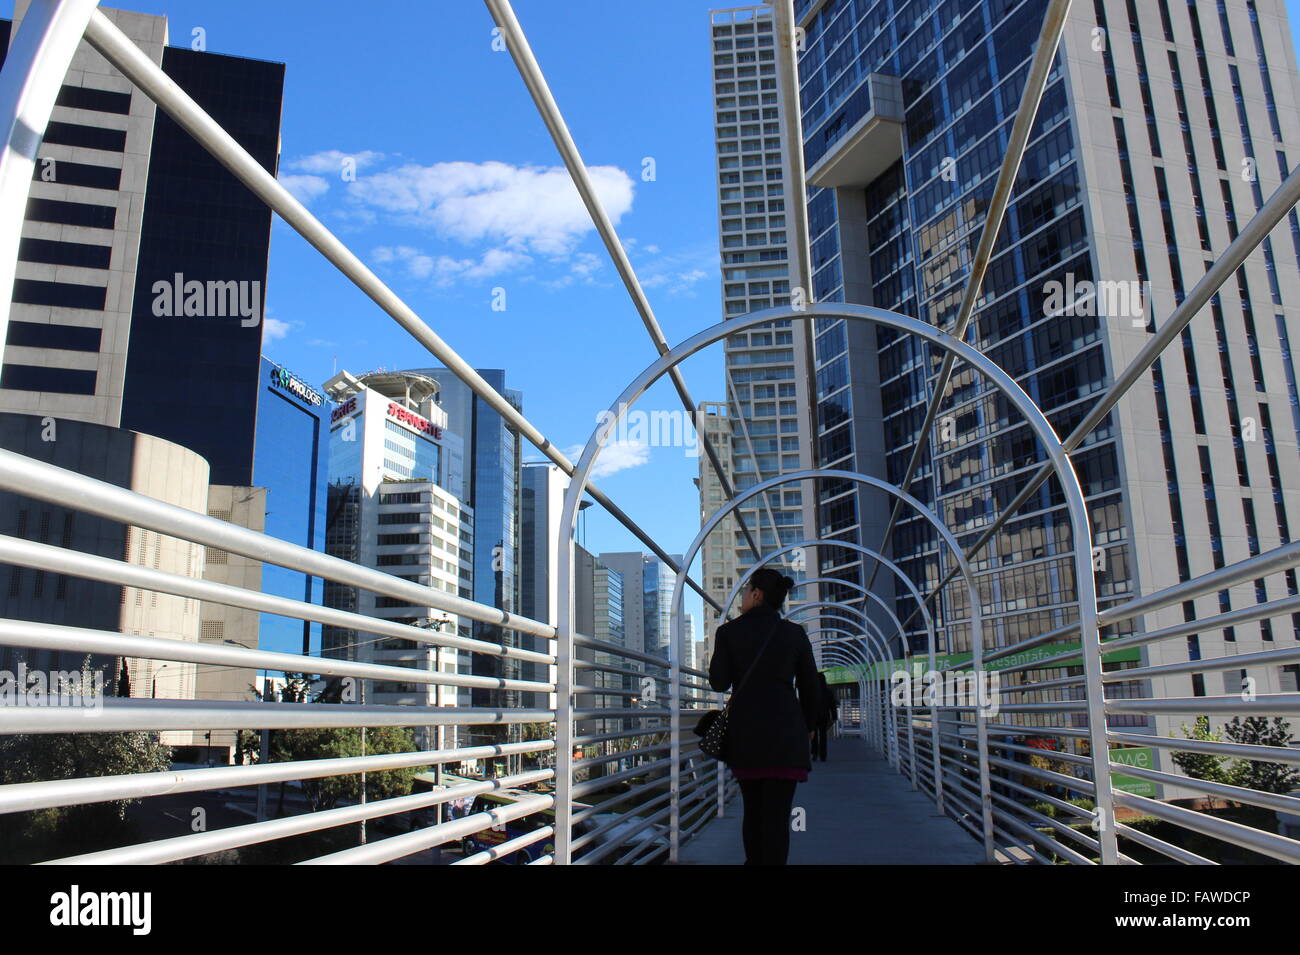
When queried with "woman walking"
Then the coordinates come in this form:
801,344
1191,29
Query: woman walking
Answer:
768,727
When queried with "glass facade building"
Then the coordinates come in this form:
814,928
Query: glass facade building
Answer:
195,380
491,487
1162,127
290,460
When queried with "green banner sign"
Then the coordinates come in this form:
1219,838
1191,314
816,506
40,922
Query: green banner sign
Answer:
942,661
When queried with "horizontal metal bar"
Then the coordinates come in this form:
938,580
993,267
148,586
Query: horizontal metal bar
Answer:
1265,704
1273,608
1271,754
1255,797
45,794
1266,843
119,715
234,837
409,843
92,567
50,636
506,848
1238,662
45,482
1177,853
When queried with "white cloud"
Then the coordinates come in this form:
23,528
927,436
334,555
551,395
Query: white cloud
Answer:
446,270
273,329
305,188
526,209
614,457
330,162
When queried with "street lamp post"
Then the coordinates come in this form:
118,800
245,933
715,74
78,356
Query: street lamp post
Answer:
433,658
153,694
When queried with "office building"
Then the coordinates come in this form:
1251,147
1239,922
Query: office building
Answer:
491,487
389,508
143,464
142,269
718,554
136,325
766,428
291,461
1163,128
647,598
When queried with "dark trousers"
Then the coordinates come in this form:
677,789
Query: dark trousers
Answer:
766,825
819,742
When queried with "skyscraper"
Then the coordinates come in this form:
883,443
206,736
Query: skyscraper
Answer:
136,327
390,507
291,460
491,487
1162,129
765,387
142,271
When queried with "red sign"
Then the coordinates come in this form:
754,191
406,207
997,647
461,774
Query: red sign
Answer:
413,420
343,410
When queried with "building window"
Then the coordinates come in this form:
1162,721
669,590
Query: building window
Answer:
89,137
67,381
66,337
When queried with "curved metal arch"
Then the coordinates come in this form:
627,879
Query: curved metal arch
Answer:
853,585
922,607
1058,459
885,562
889,731
827,611
869,693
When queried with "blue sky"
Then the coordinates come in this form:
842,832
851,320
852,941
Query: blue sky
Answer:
459,191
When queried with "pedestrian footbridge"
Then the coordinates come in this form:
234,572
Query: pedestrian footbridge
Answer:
1038,767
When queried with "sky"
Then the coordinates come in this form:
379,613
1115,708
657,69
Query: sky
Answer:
407,130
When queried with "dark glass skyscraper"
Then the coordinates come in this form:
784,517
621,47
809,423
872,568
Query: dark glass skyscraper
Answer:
1162,128
195,380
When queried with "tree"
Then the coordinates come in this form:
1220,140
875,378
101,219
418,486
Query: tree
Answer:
1255,774
326,792
26,758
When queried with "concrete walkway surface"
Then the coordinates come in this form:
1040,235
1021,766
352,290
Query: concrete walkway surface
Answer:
857,811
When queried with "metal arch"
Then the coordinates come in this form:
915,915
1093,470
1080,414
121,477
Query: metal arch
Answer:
849,545
841,613
863,692
890,719
880,601
922,608
846,649
1085,585
876,731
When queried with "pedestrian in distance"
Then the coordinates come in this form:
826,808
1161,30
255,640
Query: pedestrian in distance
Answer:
826,720
770,728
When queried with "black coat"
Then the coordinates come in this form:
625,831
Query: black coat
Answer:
768,725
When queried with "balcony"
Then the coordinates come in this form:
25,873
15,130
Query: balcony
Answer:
862,139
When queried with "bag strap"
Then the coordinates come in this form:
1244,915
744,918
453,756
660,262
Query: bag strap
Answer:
745,678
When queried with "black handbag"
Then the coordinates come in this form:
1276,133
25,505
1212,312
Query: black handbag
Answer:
712,726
